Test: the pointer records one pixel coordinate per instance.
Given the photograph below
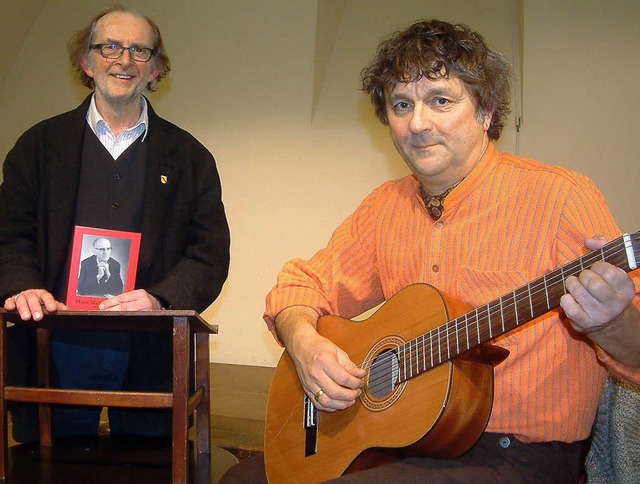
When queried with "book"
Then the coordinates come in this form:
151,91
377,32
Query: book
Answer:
103,264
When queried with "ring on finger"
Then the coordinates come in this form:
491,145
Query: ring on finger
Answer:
16,296
318,394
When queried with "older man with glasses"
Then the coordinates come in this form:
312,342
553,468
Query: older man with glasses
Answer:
100,273
114,164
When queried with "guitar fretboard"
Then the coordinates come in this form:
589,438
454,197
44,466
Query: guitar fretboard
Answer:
506,312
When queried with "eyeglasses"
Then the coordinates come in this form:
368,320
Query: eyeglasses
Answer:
114,51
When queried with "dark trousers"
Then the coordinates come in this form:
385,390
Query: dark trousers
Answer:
95,361
87,368
494,458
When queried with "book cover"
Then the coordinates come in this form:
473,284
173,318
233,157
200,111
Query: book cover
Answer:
103,264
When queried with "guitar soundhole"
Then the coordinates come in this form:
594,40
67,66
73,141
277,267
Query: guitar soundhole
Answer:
384,384
383,374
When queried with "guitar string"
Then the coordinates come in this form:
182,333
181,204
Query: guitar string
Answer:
448,329
488,313
413,345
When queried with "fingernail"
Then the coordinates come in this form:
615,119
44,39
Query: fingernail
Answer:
37,315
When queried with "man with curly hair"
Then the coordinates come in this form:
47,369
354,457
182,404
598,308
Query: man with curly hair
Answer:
473,223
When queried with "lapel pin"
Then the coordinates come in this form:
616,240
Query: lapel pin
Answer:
163,179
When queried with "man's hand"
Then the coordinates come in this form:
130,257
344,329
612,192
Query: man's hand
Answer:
30,303
103,270
599,304
138,300
597,296
330,379
328,376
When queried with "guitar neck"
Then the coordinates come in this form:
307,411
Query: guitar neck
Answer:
507,312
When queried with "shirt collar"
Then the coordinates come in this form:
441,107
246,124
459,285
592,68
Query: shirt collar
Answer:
99,125
478,175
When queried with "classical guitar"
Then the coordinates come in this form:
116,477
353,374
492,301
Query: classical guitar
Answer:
440,414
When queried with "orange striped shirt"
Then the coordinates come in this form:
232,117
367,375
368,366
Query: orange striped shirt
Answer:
510,221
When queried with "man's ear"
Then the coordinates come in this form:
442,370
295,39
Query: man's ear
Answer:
154,73
487,120
84,63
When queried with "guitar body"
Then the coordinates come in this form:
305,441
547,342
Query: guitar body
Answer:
429,382
440,413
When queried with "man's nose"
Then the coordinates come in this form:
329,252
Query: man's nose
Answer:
125,57
421,119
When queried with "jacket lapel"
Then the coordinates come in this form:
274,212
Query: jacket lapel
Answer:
159,179
62,176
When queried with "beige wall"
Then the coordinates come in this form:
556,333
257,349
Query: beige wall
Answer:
270,87
581,102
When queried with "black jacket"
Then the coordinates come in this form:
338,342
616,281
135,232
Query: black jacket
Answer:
88,283
184,251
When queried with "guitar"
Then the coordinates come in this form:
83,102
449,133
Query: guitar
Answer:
442,413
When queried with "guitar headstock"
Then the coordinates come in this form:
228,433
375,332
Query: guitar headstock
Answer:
632,246
635,242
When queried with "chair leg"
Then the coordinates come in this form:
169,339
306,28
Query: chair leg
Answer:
181,352
44,381
203,418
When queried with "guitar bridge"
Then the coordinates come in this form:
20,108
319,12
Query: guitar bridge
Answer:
310,425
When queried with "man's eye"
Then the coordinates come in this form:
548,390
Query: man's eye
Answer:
402,106
441,101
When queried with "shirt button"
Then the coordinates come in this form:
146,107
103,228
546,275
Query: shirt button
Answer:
504,442
115,205
439,224
116,176
435,268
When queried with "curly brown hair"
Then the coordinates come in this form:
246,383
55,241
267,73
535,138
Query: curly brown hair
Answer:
80,42
437,49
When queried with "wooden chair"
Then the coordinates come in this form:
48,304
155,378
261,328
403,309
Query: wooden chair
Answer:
185,326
